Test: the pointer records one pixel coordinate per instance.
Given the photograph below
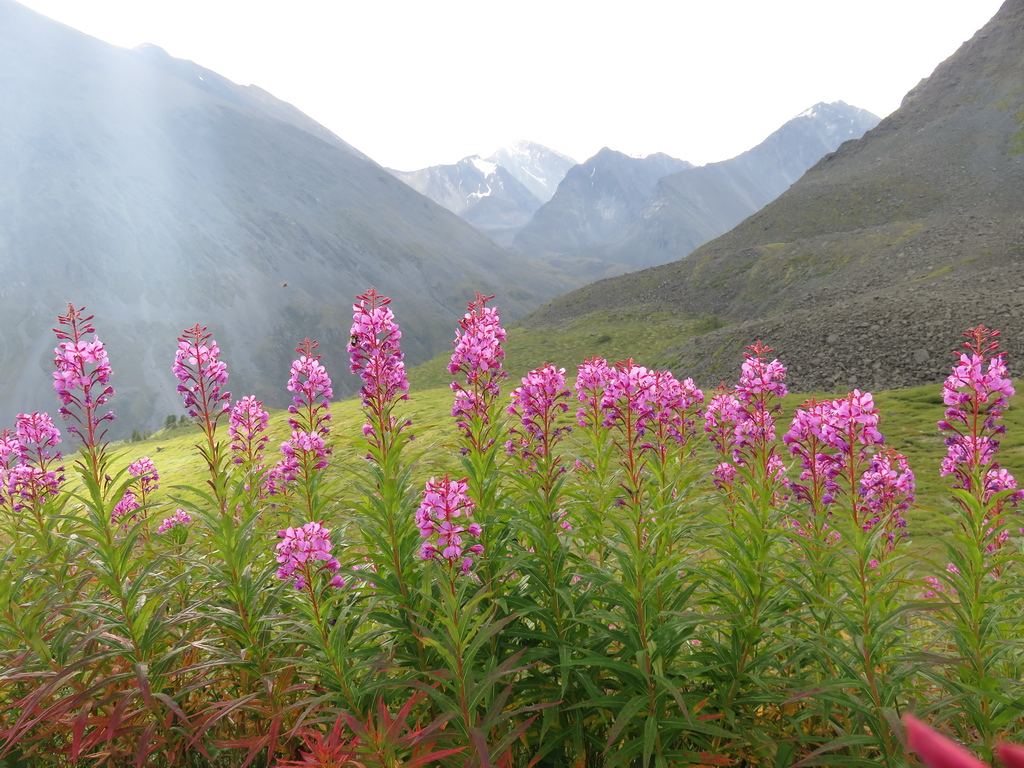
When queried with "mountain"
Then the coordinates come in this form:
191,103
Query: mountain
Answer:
594,203
498,195
695,205
865,272
159,194
536,167
483,193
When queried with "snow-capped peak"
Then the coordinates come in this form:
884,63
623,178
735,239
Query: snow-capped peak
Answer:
485,167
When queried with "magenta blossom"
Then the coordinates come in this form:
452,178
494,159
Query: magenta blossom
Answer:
304,552
246,425
31,470
476,362
741,422
675,407
723,420
82,376
306,450
443,518
537,403
887,490
759,377
202,375
149,478
976,393
810,439
593,376
180,517
376,355
125,512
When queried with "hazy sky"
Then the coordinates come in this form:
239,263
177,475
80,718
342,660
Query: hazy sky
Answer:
417,82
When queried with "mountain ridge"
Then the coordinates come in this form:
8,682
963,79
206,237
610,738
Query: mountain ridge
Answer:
693,206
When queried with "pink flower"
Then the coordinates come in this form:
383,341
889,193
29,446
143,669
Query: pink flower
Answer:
887,489
537,404
145,469
941,585
722,418
307,450
674,410
477,362
976,392
246,425
593,376
82,376
36,430
305,551
28,486
741,423
180,517
443,518
30,471
810,435
202,376
376,355
759,377
124,512
855,420
724,475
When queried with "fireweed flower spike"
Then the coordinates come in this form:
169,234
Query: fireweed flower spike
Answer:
537,404
674,411
180,517
33,472
82,382
306,451
887,490
202,376
741,423
593,376
246,425
443,518
976,393
124,512
809,439
305,552
477,362
376,357
149,478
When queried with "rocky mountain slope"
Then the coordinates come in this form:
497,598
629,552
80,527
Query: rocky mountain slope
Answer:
594,203
483,193
538,168
865,272
497,195
158,195
695,205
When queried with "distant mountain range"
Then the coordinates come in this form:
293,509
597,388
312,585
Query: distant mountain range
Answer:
865,272
695,205
615,213
497,195
625,213
159,194
595,202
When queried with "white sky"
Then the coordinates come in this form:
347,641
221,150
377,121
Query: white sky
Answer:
414,83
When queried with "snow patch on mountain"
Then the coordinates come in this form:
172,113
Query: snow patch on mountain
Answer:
485,167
